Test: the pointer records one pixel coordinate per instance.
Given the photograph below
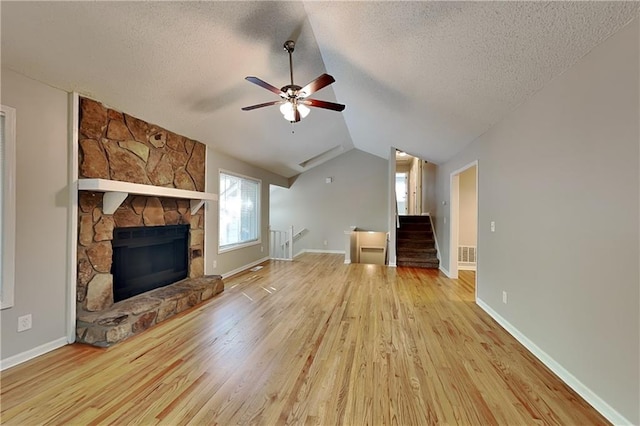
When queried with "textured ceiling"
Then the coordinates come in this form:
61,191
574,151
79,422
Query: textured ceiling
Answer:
425,77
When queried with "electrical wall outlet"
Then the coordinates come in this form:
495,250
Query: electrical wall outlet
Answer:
261,249
504,297
493,226
324,243
215,264
24,323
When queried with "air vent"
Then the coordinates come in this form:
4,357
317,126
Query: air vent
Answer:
467,254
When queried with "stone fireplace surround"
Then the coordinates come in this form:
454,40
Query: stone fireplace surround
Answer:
118,147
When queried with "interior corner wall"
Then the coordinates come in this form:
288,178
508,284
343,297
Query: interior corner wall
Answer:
560,178
42,205
235,260
357,196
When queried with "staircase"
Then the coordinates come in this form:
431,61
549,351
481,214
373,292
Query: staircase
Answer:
415,245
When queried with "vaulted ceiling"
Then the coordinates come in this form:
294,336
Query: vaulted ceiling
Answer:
425,77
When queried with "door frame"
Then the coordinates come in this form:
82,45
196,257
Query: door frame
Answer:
454,220
406,192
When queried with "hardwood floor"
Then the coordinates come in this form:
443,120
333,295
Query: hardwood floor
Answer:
312,341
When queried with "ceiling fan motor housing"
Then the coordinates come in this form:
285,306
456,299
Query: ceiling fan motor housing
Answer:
291,90
289,45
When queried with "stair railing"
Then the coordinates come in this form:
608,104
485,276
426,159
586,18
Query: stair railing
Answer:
281,243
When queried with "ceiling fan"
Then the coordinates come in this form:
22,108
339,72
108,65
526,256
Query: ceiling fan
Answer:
295,102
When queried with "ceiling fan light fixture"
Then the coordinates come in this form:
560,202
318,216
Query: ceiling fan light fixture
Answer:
303,110
287,110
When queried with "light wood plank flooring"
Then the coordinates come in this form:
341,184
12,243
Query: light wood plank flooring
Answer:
312,341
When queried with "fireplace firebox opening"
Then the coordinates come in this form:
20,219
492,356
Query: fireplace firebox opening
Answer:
145,258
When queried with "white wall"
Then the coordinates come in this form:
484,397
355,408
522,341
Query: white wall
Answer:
560,177
468,208
233,260
357,196
41,214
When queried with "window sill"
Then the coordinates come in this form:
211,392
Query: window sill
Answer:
239,246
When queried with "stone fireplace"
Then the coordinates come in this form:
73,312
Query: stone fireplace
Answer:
114,146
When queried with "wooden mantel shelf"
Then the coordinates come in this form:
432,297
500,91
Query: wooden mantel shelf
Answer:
115,192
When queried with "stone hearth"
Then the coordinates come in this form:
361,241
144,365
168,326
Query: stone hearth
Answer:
129,317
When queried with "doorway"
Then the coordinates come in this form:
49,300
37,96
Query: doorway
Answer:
409,184
402,192
463,247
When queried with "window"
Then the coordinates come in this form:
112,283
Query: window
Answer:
239,202
7,204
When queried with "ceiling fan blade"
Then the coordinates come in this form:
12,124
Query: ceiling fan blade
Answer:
323,81
323,104
249,108
264,84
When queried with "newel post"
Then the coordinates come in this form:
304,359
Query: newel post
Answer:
290,256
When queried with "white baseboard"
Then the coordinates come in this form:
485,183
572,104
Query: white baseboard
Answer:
303,251
591,397
466,267
392,265
244,268
32,353
323,251
444,271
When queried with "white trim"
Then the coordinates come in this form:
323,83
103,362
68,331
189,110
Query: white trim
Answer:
444,271
106,185
323,251
347,245
32,353
244,268
392,207
454,222
580,388
435,237
232,247
205,213
466,267
303,251
242,244
72,243
8,205
117,191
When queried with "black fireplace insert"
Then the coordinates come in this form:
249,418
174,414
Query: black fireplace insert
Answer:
145,258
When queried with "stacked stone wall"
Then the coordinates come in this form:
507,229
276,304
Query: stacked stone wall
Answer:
117,146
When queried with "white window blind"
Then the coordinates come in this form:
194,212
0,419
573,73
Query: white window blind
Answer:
239,202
